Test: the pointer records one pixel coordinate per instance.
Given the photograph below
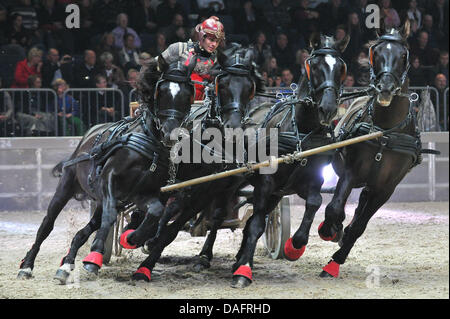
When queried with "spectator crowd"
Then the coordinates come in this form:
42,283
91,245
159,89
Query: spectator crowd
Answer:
117,38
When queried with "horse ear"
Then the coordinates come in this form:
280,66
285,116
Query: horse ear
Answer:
162,64
342,44
314,40
406,30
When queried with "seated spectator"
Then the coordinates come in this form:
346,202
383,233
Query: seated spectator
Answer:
29,66
104,106
68,111
28,13
442,65
360,68
276,16
340,32
6,114
277,80
417,74
250,17
15,33
112,73
166,11
331,14
143,17
104,14
122,29
421,48
261,50
413,13
3,25
441,83
144,61
53,68
271,66
389,15
355,32
434,36
286,78
85,72
51,16
107,45
160,45
36,115
129,55
211,7
304,19
283,52
129,85
170,30
299,66
438,9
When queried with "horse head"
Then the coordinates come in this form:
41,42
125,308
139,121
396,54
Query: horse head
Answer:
235,85
173,96
389,64
325,74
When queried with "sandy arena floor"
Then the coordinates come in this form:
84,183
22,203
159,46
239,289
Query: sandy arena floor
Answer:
404,253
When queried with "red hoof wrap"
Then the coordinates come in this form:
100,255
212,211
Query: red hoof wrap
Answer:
244,271
94,258
290,252
145,271
324,237
332,268
123,240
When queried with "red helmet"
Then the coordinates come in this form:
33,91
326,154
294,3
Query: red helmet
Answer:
212,26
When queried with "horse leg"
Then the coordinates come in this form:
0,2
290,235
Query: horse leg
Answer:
68,262
137,217
331,227
64,192
94,261
145,268
263,204
203,260
136,238
373,200
295,246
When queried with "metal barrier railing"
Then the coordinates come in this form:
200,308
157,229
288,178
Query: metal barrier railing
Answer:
26,112
89,103
435,99
89,107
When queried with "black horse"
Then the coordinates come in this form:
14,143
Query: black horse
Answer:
118,164
302,124
379,165
235,85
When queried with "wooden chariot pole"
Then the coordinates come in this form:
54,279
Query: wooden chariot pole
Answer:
287,158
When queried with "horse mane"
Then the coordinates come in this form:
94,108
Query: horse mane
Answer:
146,83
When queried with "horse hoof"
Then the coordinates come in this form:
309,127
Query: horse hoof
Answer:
25,273
124,240
324,274
326,238
240,282
201,263
330,270
142,274
91,268
290,252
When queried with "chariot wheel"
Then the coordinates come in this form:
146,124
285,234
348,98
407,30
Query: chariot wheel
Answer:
278,229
